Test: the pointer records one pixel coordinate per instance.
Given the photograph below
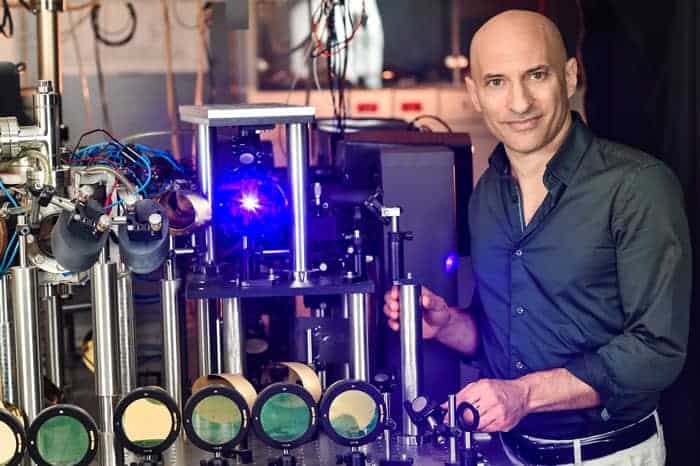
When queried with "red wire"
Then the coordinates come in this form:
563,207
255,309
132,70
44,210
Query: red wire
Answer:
108,199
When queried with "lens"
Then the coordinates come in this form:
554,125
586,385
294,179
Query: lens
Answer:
8,444
285,417
147,423
217,420
62,441
353,414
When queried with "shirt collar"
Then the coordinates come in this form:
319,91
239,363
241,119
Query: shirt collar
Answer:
564,163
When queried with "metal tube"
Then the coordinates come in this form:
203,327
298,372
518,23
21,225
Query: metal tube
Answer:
25,308
48,41
233,338
54,363
7,353
203,337
387,431
451,412
310,347
103,283
298,161
455,39
205,137
125,330
359,340
171,350
411,354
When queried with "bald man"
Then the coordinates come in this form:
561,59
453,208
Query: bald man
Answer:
581,258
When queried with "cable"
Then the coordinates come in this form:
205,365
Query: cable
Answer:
8,194
7,27
411,124
100,36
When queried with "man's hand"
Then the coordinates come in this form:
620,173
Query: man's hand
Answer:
436,312
501,403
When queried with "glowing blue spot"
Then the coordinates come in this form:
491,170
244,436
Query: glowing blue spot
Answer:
450,263
250,203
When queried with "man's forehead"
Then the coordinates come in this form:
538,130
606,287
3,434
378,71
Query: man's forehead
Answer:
499,58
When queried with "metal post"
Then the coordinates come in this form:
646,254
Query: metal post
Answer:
171,350
103,283
387,431
54,363
7,354
233,338
359,340
452,411
48,41
125,330
455,39
25,310
204,337
298,161
205,138
411,354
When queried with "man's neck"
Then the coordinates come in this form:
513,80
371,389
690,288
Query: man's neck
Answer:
531,166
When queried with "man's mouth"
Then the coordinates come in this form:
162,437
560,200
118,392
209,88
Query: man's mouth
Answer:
525,124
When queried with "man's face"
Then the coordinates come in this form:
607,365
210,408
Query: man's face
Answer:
522,89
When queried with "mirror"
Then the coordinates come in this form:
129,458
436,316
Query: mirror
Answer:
8,444
217,420
62,441
353,414
147,422
285,417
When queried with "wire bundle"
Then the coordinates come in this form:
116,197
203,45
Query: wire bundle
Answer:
8,256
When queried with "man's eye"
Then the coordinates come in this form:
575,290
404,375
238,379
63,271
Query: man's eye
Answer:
538,75
494,82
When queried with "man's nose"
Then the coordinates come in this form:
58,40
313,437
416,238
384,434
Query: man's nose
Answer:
520,99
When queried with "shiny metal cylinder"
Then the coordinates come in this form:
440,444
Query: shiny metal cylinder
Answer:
233,336
125,330
452,422
298,164
103,283
54,330
172,368
47,109
205,139
8,372
411,354
25,310
48,41
203,337
359,339
387,432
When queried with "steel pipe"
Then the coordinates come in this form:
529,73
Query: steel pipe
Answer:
411,354
359,339
298,160
233,336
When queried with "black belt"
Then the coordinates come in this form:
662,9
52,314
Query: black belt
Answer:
596,447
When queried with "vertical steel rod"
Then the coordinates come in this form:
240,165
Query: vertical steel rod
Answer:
54,352
451,412
298,161
411,354
125,330
203,337
359,340
8,372
233,336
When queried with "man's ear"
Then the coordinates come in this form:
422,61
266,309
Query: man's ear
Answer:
571,76
471,89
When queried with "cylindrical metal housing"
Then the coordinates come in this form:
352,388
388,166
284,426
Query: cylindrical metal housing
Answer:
205,138
171,352
359,339
452,422
8,372
25,308
203,337
54,330
125,330
48,41
411,354
47,112
103,281
298,161
233,336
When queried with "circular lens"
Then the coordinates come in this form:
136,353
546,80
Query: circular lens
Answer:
353,414
217,420
285,417
8,444
62,441
147,422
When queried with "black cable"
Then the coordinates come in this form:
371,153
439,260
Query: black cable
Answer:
99,36
7,27
412,123
27,6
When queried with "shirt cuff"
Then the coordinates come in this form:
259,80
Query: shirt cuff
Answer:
590,369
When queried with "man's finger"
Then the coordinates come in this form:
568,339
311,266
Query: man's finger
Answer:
394,292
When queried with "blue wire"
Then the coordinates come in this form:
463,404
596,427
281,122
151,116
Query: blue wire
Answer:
12,258
8,194
7,250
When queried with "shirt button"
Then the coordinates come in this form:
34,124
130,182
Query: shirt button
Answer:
518,252
520,310
519,365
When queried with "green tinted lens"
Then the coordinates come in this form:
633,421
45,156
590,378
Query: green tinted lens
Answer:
147,422
62,441
285,417
353,414
8,444
217,420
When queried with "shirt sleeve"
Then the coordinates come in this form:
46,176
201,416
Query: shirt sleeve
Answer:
650,230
